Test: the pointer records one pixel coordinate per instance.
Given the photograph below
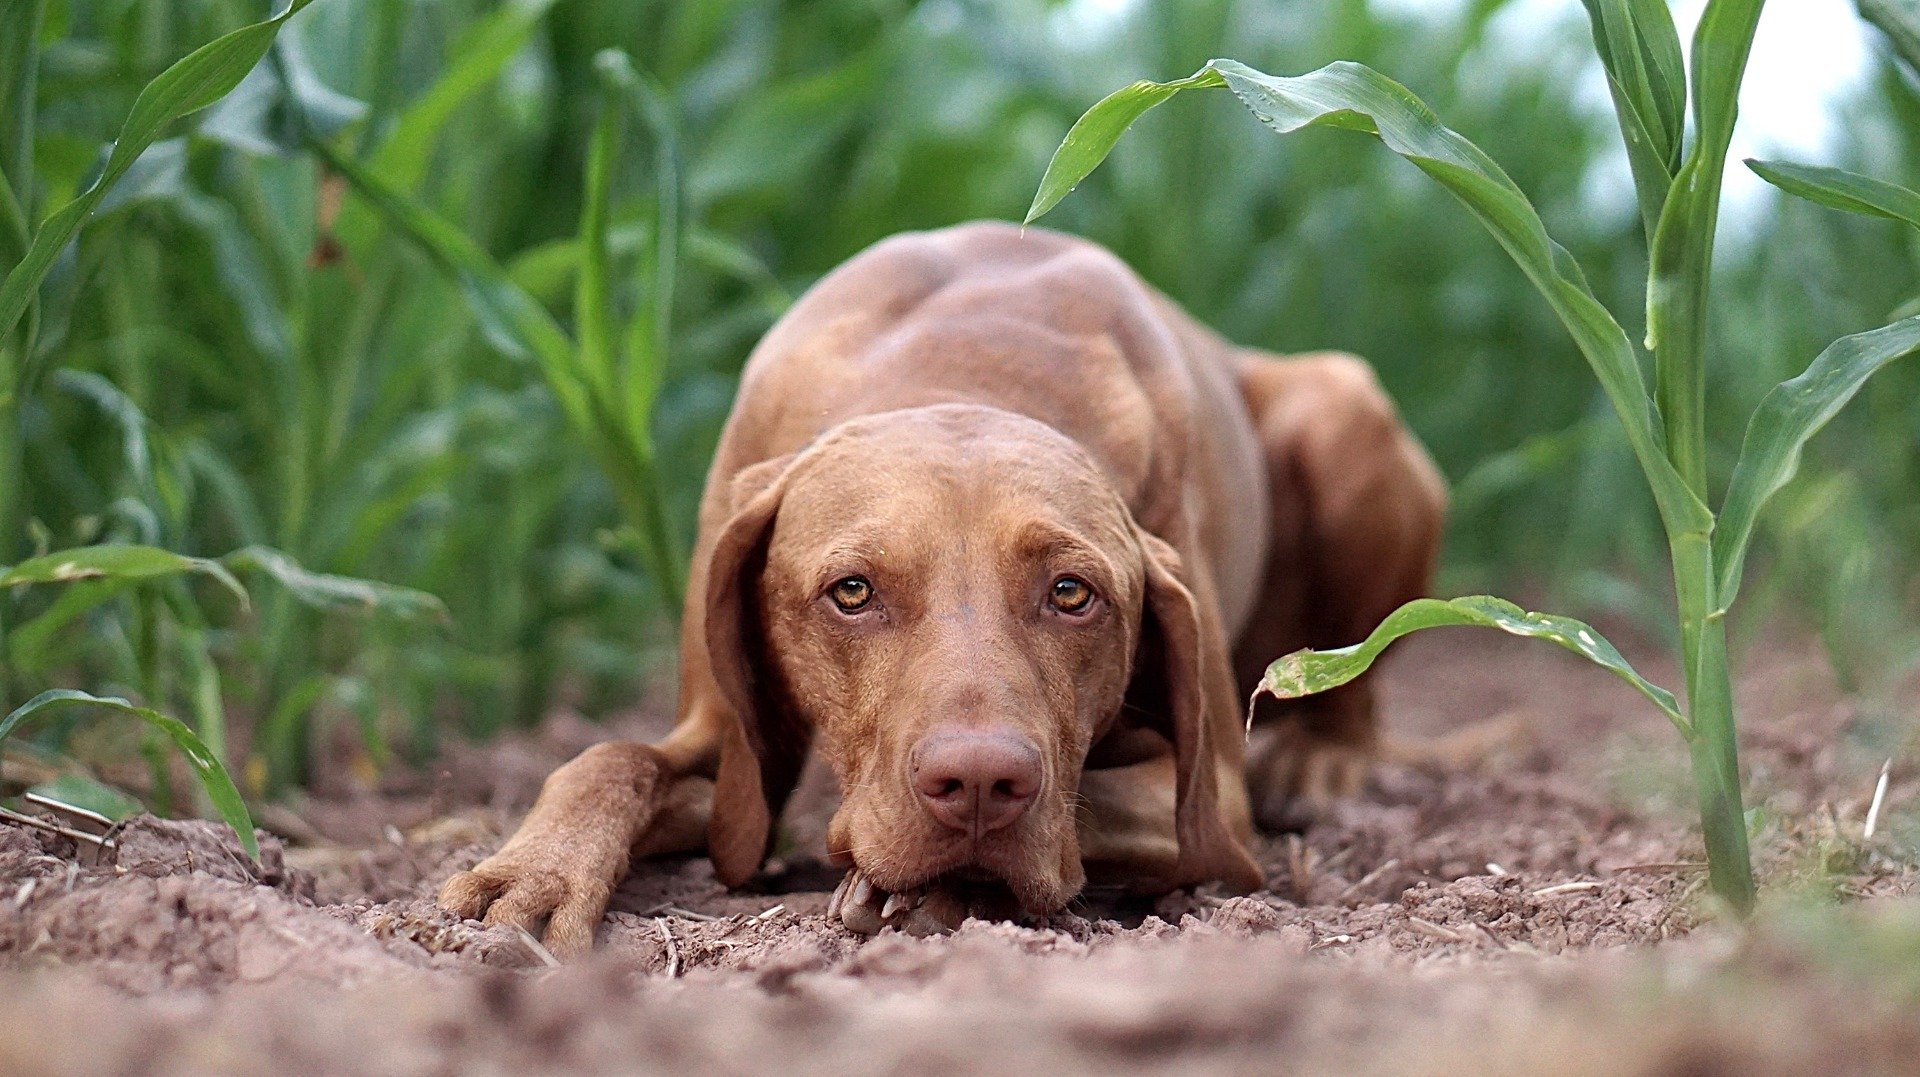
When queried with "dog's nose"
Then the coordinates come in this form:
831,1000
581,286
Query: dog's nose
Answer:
976,781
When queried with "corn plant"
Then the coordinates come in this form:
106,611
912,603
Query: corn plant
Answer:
93,574
1677,181
605,378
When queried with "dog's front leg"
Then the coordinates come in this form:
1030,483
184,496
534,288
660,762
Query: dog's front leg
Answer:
611,803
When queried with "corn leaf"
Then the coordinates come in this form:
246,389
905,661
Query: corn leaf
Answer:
511,319
1640,49
19,73
1900,21
1787,418
327,591
1357,98
1092,136
1304,673
474,60
1836,188
206,766
29,645
192,83
115,562
1682,254
593,316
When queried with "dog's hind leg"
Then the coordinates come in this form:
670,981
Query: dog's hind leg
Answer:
1357,514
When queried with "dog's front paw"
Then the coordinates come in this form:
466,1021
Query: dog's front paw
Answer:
520,887
865,908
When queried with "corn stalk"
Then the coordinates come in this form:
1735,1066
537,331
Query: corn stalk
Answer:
1678,187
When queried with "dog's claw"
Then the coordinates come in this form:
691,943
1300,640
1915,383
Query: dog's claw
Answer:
904,901
839,899
866,909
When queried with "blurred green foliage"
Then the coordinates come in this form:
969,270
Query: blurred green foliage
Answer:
238,352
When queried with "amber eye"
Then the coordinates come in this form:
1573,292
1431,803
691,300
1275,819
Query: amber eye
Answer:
1070,594
852,594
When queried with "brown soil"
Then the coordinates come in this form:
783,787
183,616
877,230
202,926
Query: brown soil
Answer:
1511,915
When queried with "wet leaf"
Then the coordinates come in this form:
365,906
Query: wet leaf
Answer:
1304,673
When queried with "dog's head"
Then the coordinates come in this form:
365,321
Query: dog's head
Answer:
949,602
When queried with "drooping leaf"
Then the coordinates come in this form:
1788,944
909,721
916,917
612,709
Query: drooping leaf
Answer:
1837,188
1354,97
202,77
1304,673
115,562
1787,418
1092,136
213,776
327,591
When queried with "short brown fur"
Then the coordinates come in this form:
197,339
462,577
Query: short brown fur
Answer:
962,417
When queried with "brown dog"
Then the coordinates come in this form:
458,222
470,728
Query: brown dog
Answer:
984,527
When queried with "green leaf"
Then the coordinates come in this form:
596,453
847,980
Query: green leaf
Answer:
1836,188
28,644
519,325
19,73
511,319
593,315
191,84
1682,254
85,793
336,592
1356,98
115,562
1787,418
1640,49
1092,136
1303,673
474,60
213,776
1900,21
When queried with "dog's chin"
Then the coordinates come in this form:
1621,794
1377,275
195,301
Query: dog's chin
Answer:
1020,877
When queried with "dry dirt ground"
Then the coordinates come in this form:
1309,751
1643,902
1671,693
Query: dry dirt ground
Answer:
1540,911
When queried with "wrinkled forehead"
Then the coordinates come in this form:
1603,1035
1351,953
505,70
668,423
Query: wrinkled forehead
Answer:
926,483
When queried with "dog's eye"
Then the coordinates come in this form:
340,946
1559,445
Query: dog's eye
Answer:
1070,594
852,594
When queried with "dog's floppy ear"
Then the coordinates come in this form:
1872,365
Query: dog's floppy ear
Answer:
1208,850
761,750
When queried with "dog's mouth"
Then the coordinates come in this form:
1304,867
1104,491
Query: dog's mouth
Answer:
938,906
996,877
